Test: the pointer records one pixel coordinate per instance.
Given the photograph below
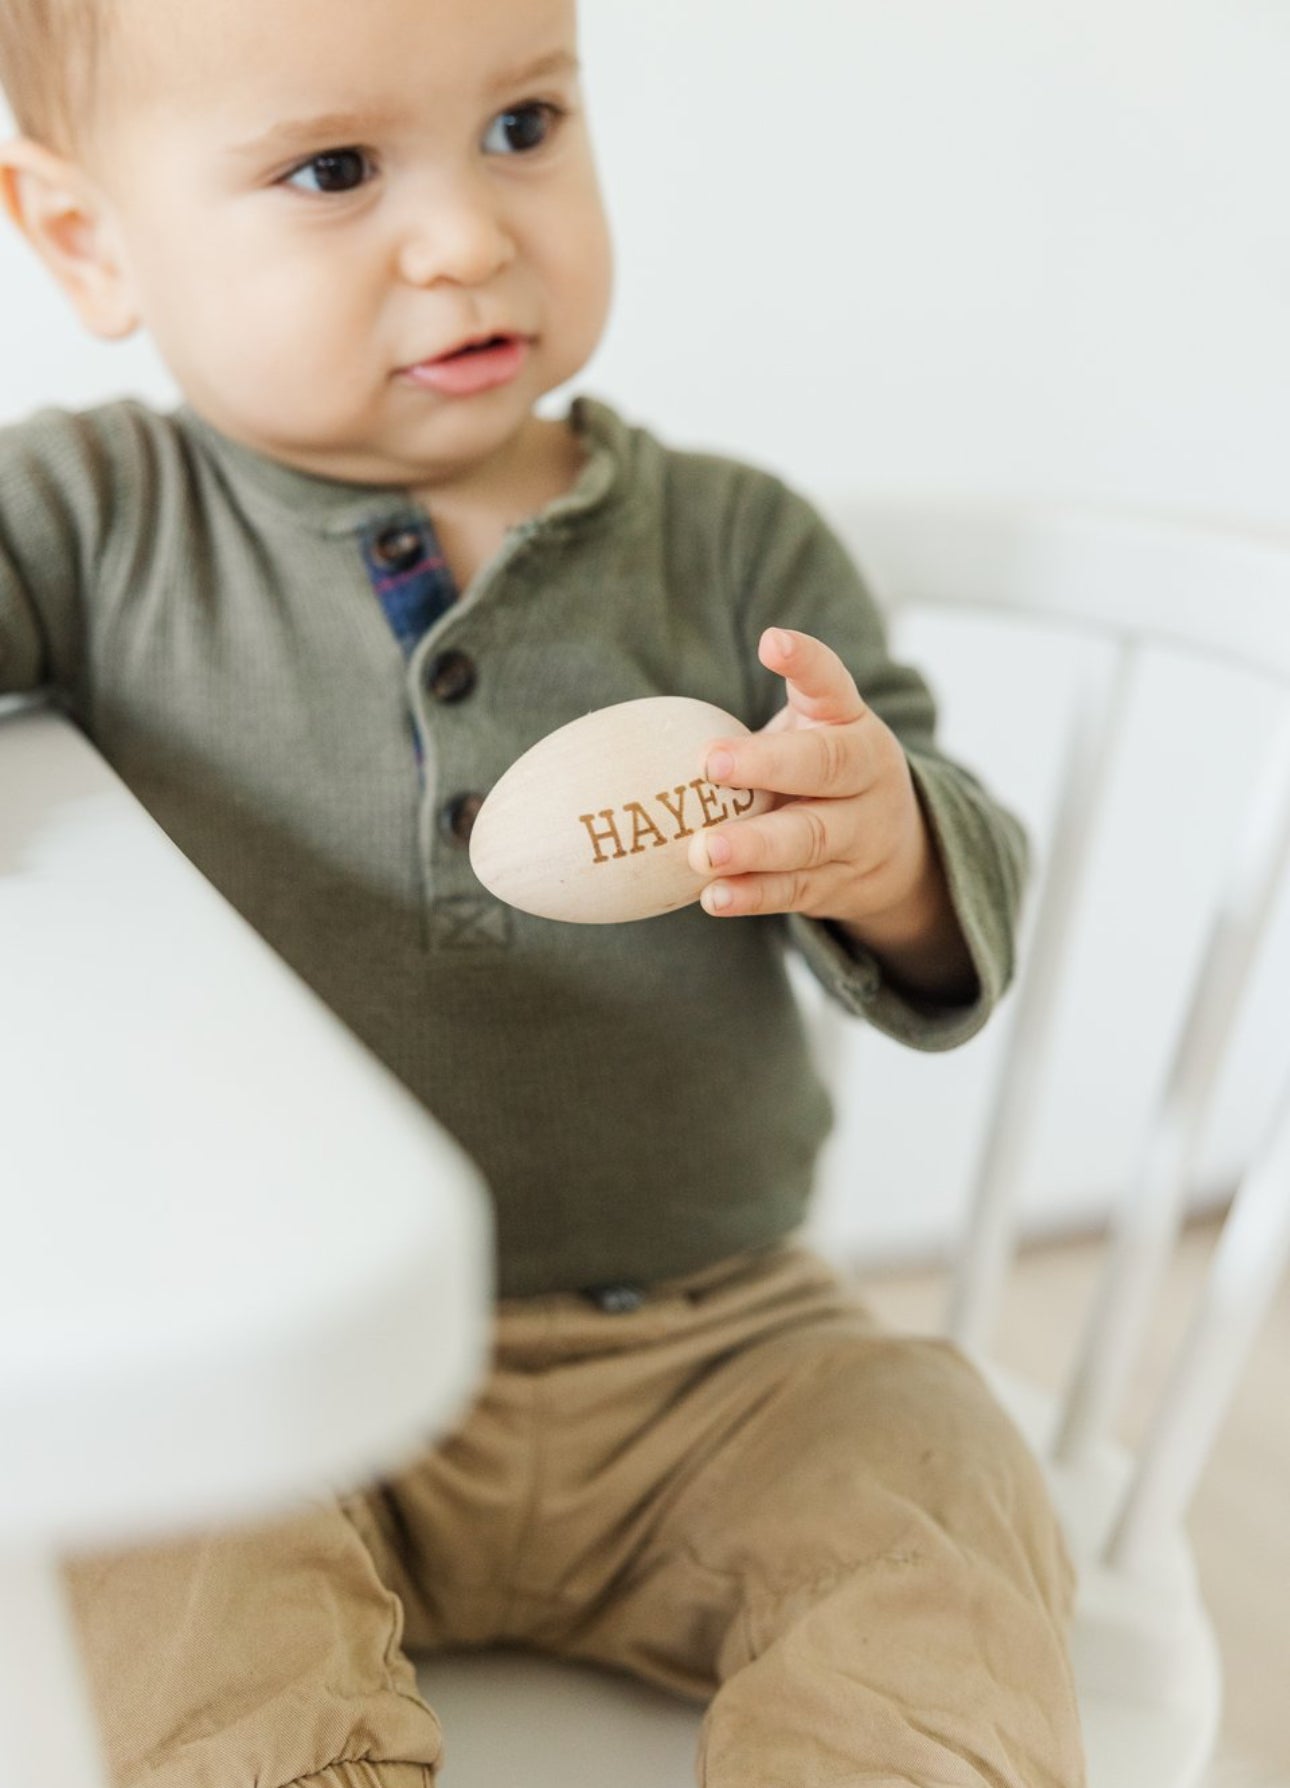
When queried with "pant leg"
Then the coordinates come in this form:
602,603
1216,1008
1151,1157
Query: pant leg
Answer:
904,1594
753,1490
252,1658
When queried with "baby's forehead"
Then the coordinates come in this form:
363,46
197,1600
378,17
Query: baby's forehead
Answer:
297,58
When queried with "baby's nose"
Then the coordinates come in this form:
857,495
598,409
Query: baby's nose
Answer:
458,237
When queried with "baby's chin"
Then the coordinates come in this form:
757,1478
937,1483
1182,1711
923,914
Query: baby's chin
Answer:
482,436
456,446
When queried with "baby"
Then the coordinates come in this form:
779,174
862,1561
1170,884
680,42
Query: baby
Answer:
311,616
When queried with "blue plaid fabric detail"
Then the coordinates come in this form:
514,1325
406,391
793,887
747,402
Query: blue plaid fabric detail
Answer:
416,595
410,577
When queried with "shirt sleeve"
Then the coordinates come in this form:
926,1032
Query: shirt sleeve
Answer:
57,506
794,571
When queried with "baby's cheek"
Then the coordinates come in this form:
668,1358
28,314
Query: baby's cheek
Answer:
294,353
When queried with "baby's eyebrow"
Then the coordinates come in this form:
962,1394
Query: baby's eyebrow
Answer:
556,62
337,127
301,133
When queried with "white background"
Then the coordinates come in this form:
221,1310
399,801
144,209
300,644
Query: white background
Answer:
1005,246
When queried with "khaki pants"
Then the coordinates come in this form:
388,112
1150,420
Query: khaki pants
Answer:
743,1490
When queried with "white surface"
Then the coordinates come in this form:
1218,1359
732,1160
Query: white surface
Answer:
992,247
242,1264
50,1737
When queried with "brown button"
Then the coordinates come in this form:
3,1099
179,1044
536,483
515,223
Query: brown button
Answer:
398,549
451,676
459,815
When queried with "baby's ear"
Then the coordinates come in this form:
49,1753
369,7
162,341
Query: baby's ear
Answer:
67,223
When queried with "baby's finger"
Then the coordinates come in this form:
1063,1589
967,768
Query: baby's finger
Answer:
820,687
741,896
830,761
803,835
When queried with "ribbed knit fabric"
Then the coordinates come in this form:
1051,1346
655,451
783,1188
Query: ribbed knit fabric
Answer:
639,1097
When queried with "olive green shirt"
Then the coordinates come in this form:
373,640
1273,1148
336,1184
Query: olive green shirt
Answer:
640,1097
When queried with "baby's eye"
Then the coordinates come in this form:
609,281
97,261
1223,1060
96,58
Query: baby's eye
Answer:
339,170
523,128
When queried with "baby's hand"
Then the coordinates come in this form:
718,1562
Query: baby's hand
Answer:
847,840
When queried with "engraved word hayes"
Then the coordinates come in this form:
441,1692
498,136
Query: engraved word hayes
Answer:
667,821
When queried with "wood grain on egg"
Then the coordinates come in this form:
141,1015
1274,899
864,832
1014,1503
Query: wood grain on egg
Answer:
593,824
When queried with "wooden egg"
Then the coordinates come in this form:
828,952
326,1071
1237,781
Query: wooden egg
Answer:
594,822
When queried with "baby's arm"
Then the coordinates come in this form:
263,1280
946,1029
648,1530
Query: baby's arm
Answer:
69,517
40,575
912,924
23,655
848,841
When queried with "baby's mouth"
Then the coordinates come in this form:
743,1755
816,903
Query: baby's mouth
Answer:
473,347
472,367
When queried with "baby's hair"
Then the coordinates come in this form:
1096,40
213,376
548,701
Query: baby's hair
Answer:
50,53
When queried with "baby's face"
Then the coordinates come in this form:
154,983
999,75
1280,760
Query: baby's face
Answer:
313,196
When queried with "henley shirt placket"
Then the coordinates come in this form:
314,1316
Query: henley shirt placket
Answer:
410,578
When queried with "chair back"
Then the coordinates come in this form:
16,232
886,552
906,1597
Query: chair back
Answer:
1121,596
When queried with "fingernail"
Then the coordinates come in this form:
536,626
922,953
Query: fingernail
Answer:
717,897
720,765
783,641
718,850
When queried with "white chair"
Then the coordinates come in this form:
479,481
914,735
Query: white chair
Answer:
1145,1656
1146,1662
